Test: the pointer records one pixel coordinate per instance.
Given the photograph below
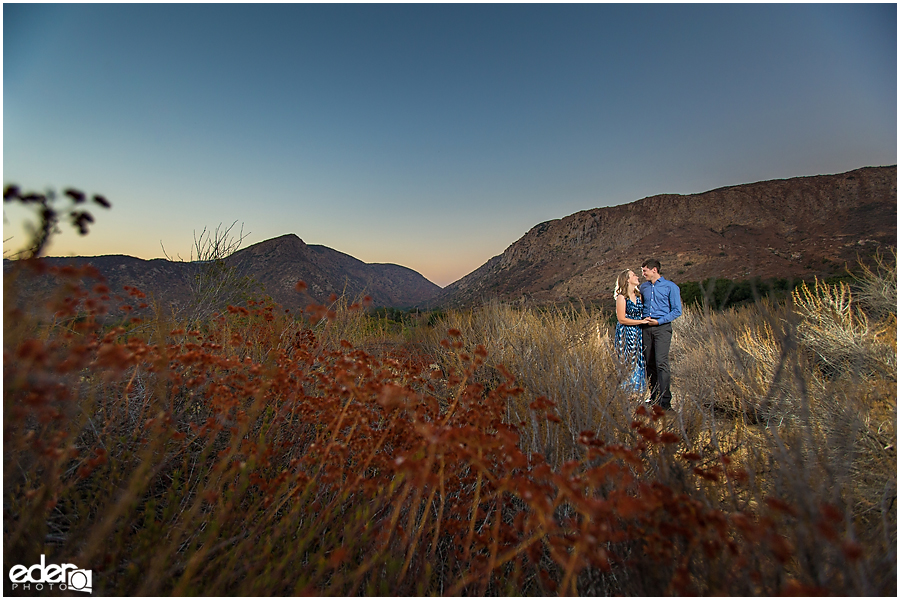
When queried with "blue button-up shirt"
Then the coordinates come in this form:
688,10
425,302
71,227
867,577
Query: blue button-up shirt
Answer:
662,300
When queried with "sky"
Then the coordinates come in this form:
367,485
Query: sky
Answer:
430,136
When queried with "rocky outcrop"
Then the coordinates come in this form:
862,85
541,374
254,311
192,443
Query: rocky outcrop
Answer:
794,228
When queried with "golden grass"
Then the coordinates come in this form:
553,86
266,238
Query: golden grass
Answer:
801,396
494,452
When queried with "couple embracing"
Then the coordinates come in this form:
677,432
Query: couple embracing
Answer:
645,312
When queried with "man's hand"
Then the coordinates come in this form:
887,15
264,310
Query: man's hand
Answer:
652,322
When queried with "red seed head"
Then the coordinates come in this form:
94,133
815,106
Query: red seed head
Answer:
852,550
781,506
832,513
668,437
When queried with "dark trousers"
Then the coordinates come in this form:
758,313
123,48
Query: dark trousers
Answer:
656,341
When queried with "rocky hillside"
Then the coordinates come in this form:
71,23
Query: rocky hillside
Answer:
279,263
794,228
275,265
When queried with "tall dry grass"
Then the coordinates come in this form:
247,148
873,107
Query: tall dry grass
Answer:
493,453
801,397
562,354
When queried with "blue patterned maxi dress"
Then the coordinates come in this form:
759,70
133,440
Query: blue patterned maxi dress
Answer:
629,349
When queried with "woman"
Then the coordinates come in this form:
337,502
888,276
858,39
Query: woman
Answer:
628,331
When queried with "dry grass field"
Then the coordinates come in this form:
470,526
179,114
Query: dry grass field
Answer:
491,452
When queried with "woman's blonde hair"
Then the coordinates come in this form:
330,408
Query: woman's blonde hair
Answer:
622,284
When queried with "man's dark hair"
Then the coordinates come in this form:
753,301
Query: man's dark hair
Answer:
652,263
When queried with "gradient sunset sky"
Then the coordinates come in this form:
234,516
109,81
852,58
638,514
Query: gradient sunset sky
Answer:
431,136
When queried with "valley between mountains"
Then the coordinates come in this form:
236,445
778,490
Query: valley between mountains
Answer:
792,228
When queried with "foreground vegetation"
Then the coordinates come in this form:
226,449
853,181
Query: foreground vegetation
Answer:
490,452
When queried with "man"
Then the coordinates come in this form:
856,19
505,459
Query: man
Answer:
662,303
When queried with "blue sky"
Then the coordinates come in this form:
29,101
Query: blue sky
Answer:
432,136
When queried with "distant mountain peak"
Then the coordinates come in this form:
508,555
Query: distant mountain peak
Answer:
291,240
284,247
292,237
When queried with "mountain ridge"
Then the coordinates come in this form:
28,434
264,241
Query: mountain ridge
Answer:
276,264
328,271
737,232
788,228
